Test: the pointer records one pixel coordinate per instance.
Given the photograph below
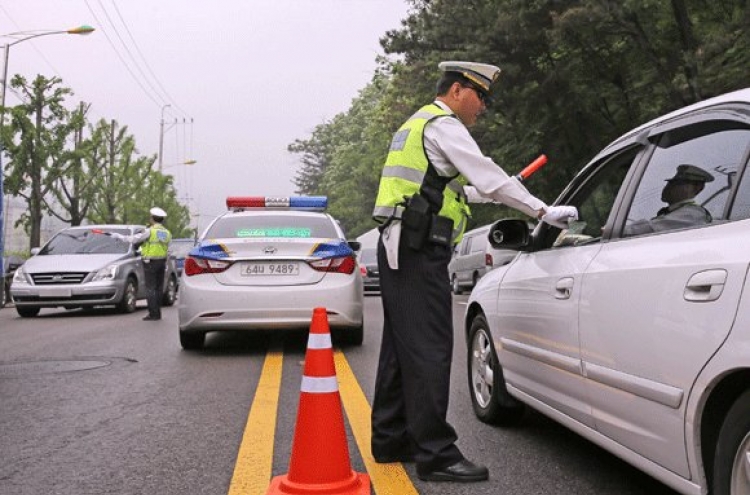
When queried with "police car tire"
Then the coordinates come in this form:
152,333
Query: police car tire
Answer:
192,341
500,408
27,312
732,448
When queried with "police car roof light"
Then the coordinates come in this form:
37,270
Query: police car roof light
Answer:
312,203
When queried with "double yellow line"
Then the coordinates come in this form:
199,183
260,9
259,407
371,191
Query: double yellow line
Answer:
252,472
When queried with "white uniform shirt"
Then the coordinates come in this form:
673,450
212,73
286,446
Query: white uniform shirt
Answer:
452,150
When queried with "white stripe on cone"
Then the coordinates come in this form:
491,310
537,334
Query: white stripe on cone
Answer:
317,385
319,341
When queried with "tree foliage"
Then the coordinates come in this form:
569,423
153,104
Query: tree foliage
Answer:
576,74
79,178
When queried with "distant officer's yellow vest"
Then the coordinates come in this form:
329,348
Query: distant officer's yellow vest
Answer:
157,244
405,169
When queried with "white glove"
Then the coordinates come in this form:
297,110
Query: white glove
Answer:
559,216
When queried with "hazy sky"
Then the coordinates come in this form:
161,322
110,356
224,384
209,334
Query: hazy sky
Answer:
243,78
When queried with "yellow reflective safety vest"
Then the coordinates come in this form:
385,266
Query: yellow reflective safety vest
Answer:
405,169
157,244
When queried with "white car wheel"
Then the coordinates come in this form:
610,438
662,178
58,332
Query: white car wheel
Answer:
732,459
489,397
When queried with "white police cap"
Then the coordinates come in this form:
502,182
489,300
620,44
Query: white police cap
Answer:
157,212
482,75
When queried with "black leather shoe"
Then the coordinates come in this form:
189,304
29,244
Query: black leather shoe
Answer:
385,459
461,471
151,318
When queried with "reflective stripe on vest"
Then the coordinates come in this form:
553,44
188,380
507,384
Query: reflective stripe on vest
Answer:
157,244
405,169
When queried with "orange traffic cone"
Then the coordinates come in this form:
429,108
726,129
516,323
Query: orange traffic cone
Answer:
320,454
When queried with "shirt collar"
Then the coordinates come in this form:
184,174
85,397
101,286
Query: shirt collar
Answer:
443,106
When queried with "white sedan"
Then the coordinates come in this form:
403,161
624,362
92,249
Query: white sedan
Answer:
632,326
266,264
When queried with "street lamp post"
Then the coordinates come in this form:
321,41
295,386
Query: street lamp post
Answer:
22,36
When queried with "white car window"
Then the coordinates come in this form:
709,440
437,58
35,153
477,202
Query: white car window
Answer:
666,201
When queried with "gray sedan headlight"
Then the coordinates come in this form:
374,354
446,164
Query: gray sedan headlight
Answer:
19,277
107,273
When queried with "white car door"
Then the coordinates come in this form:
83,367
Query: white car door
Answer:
538,322
656,306
538,302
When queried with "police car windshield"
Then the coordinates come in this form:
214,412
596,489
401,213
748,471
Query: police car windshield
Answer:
264,226
86,241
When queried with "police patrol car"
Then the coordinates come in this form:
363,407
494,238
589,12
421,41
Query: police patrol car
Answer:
265,264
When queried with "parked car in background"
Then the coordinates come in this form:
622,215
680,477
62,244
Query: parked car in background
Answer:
265,265
10,265
473,257
632,326
178,249
368,265
81,267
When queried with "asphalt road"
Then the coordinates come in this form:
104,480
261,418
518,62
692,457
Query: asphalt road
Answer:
96,403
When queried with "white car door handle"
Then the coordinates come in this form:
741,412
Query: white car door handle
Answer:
705,286
563,288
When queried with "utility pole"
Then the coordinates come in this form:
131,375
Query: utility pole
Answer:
161,135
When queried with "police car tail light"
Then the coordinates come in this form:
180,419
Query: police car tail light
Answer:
198,266
341,264
310,203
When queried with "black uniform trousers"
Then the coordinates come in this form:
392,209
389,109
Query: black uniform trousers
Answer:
154,269
412,387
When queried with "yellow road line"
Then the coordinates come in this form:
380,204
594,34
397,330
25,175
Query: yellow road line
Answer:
387,479
252,472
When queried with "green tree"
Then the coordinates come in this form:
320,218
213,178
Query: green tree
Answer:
576,74
35,144
74,187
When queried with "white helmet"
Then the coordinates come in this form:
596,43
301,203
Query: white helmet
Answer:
157,212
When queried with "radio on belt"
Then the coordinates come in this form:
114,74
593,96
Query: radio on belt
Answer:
309,203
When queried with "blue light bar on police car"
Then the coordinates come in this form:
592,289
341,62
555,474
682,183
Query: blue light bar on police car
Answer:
310,203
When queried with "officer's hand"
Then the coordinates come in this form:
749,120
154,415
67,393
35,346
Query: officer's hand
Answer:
559,216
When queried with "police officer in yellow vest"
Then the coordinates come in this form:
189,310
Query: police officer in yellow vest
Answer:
422,205
154,242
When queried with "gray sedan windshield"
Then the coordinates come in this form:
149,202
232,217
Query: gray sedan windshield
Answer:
84,241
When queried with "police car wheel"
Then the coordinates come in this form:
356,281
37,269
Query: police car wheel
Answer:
26,312
489,397
192,341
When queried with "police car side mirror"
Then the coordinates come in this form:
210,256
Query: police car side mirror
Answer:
355,245
510,234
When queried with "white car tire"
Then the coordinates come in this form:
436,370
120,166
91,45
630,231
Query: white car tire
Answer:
732,458
489,397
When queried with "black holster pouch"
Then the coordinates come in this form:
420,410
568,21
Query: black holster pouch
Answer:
441,231
415,222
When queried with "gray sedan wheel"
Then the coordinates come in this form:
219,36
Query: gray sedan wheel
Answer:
129,297
489,397
170,294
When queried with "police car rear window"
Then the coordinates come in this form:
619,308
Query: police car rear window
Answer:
264,226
